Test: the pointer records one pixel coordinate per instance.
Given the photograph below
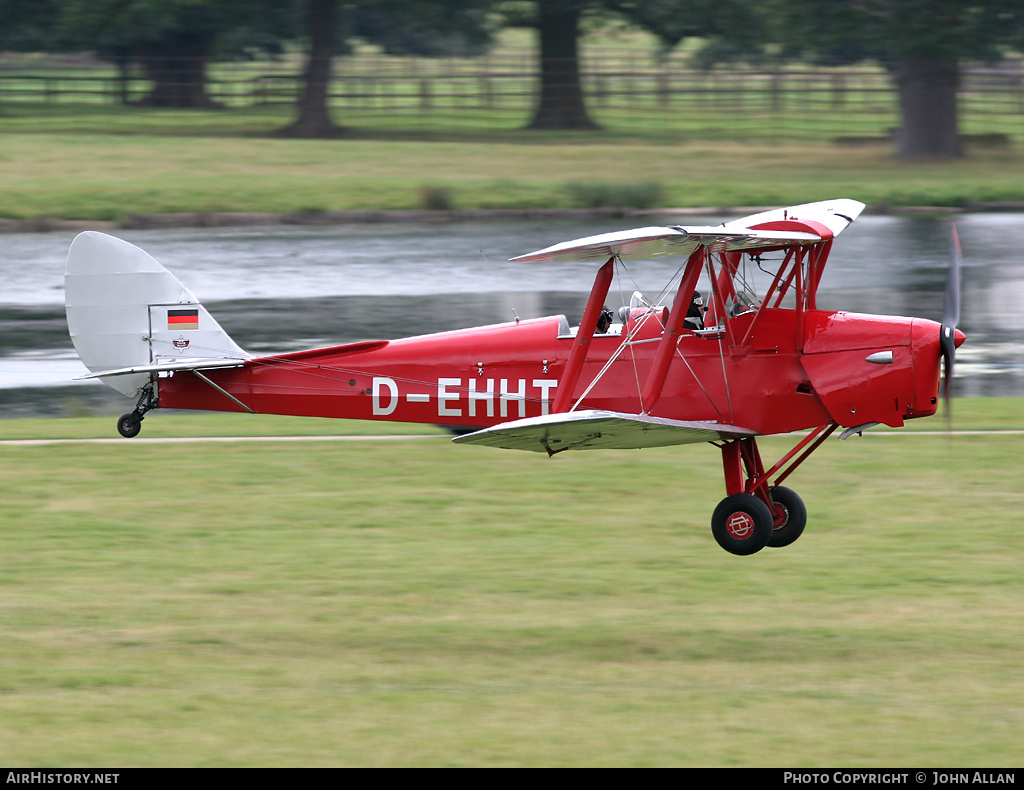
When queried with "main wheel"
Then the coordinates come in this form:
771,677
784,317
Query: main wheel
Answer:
742,524
129,425
789,516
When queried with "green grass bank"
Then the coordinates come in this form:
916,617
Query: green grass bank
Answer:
50,176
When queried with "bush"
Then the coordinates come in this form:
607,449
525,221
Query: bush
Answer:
590,194
435,198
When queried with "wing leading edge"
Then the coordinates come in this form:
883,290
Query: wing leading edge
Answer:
654,242
592,429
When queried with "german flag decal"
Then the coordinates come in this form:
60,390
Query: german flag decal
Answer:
183,319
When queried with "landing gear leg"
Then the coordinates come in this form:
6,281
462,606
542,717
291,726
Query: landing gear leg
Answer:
738,520
129,425
743,522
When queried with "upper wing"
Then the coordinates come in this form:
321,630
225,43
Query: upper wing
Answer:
653,242
836,215
734,236
592,429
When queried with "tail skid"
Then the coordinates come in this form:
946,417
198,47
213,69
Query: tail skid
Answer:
130,318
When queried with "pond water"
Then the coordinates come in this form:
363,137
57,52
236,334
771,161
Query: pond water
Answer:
283,288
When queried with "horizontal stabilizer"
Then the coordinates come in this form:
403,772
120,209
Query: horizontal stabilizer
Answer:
198,363
735,236
592,429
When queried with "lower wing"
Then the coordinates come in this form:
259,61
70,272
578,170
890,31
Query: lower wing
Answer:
592,429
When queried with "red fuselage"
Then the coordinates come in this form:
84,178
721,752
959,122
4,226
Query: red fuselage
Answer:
788,370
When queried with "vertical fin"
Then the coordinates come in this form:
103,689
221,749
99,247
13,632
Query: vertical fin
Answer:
125,309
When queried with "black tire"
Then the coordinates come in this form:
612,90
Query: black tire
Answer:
129,425
742,524
789,517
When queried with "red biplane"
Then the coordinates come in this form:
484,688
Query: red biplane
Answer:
741,366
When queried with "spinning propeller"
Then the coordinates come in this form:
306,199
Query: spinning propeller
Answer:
949,339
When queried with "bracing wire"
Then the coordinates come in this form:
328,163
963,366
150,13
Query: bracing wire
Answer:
721,344
628,339
501,284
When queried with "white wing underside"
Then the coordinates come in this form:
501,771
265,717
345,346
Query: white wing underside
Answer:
592,429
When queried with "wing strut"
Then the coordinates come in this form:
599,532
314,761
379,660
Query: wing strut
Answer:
574,365
670,337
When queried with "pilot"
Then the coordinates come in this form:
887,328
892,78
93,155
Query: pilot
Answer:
604,322
695,315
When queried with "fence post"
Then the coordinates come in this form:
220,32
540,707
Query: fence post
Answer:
776,90
664,89
838,90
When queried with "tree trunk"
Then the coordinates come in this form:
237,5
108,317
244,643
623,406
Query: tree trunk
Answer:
314,116
561,95
928,109
123,63
177,67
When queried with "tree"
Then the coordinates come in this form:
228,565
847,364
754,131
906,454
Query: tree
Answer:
673,20
560,104
921,42
172,40
426,27
314,118
28,26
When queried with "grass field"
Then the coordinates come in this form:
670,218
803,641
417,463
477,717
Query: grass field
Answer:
411,602
115,178
716,139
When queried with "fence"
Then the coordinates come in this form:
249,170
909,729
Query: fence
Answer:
629,92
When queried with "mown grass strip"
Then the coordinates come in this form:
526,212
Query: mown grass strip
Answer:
418,603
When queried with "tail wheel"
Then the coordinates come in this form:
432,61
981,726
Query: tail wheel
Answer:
789,516
129,425
742,524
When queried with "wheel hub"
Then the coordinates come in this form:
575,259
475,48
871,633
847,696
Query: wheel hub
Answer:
740,526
